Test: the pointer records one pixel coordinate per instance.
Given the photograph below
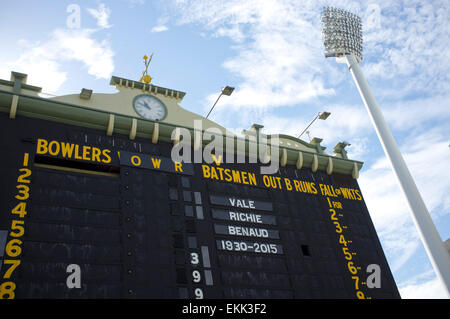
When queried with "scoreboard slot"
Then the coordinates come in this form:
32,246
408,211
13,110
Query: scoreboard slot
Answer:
256,262
61,164
75,216
52,290
244,217
56,272
255,279
72,233
71,252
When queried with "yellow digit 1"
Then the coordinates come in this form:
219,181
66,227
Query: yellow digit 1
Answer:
7,290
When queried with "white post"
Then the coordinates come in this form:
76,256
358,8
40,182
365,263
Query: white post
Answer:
433,243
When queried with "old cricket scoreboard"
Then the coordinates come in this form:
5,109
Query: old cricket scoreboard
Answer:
88,185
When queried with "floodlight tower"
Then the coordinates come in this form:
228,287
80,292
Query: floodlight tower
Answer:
342,38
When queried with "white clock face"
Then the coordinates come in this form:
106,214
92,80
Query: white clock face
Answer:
150,107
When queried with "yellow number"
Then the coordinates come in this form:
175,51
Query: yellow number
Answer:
26,156
14,262
333,214
24,190
13,250
7,289
356,278
20,209
338,227
342,240
360,295
329,203
347,254
15,225
21,178
352,268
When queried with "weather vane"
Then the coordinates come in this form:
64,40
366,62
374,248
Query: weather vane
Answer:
145,77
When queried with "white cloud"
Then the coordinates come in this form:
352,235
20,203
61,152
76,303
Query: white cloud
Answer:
410,48
280,62
161,24
348,123
44,61
279,57
427,157
159,28
102,15
408,113
423,286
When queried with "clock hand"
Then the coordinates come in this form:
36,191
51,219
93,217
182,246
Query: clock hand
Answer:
146,105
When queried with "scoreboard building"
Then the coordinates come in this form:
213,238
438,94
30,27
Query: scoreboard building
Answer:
93,206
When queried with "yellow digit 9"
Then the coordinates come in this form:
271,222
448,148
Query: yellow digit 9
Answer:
7,290
360,295
23,191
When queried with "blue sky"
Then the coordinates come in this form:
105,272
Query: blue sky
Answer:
271,52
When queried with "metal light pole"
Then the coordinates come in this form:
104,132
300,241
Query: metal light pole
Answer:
225,91
343,40
320,116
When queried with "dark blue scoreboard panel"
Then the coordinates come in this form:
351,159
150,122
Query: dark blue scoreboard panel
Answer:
136,225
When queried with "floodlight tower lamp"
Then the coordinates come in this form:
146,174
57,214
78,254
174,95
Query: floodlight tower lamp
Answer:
227,90
342,38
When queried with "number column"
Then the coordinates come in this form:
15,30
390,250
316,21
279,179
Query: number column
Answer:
335,211
200,274
13,242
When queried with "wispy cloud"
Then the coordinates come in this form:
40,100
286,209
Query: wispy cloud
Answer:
279,57
161,24
407,114
427,157
159,28
44,60
423,286
276,65
102,15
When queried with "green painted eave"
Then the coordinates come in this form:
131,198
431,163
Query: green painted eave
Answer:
61,112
